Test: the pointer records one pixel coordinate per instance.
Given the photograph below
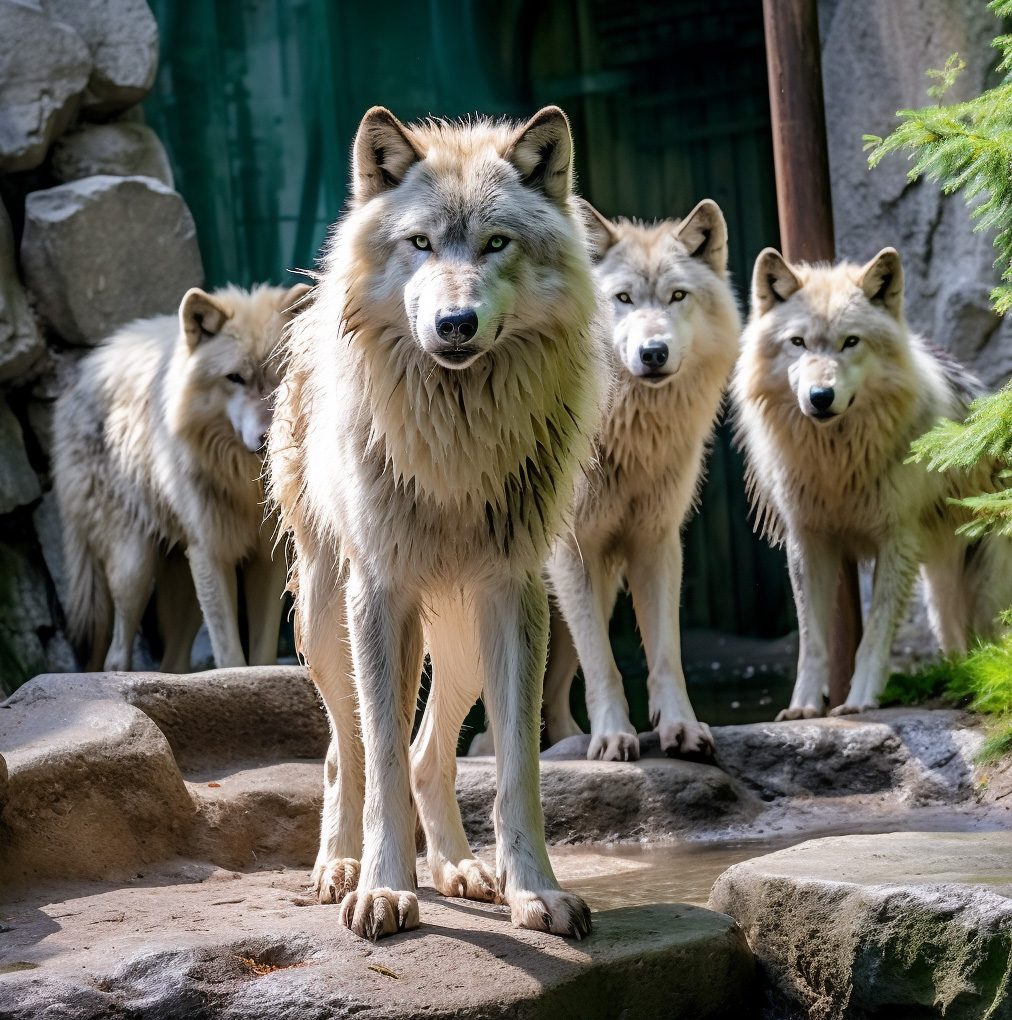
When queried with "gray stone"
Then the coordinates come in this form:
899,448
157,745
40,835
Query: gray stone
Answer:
40,415
907,924
44,68
19,485
21,345
122,37
49,532
24,610
103,251
120,149
874,60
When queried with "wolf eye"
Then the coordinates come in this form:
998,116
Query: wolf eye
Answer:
798,341
679,295
624,298
236,378
495,243
851,341
421,242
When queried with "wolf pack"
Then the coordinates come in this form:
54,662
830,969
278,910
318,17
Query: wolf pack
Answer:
490,411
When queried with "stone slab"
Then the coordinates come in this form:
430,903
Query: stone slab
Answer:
120,149
905,924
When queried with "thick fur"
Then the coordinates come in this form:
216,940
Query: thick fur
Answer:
158,445
423,474
832,341
668,286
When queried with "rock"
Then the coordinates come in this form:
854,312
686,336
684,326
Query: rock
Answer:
21,345
120,149
40,423
103,251
906,924
253,947
24,610
122,37
44,68
19,485
49,532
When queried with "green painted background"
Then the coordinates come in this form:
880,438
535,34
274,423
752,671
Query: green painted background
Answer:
257,102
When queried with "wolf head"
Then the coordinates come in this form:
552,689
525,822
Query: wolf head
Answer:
461,233
228,339
663,281
833,334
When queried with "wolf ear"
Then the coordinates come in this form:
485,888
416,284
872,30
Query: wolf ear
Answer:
200,316
381,154
882,281
543,153
290,303
601,232
704,233
773,281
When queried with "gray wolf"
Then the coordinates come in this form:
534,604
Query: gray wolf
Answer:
830,390
674,342
158,446
440,395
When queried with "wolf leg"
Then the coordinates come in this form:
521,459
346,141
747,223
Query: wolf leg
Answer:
130,573
178,611
949,602
322,637
264,580
386,644
586,595
814,564
563,663
655,581
217,592
895,570
513,633
456,684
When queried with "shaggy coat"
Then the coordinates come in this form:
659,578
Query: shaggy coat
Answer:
674,343
159,444
439,399
830,390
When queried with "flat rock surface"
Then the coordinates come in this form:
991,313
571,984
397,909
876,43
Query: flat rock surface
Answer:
210,943
901,924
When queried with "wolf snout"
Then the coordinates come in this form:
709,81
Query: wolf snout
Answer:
654,354
457,325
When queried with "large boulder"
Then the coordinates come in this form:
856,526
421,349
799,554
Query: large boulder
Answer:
102,251
44,68
906,924
122,38
120,149
21,345
19,484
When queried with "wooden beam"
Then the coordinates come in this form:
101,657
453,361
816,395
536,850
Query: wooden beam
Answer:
805,208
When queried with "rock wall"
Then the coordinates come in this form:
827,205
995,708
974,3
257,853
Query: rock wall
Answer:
874,59
92,235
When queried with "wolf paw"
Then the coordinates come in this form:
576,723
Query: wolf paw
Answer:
850,709
686,740
801,712
468,878
614,747
379,912
553,910
335,879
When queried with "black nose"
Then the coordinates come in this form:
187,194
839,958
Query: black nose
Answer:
654,354
822,399
457,324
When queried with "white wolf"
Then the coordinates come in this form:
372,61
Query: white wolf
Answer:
674,343
830,390
159,442
440,396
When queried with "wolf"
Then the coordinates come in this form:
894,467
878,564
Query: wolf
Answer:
158,446
830,390
674,342
440,396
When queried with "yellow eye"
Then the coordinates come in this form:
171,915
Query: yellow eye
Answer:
624,298
851,341
421,242
495,243
798,341
679,295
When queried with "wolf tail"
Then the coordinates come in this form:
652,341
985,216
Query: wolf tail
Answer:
87,602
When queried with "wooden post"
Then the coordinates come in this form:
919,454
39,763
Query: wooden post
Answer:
804,202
